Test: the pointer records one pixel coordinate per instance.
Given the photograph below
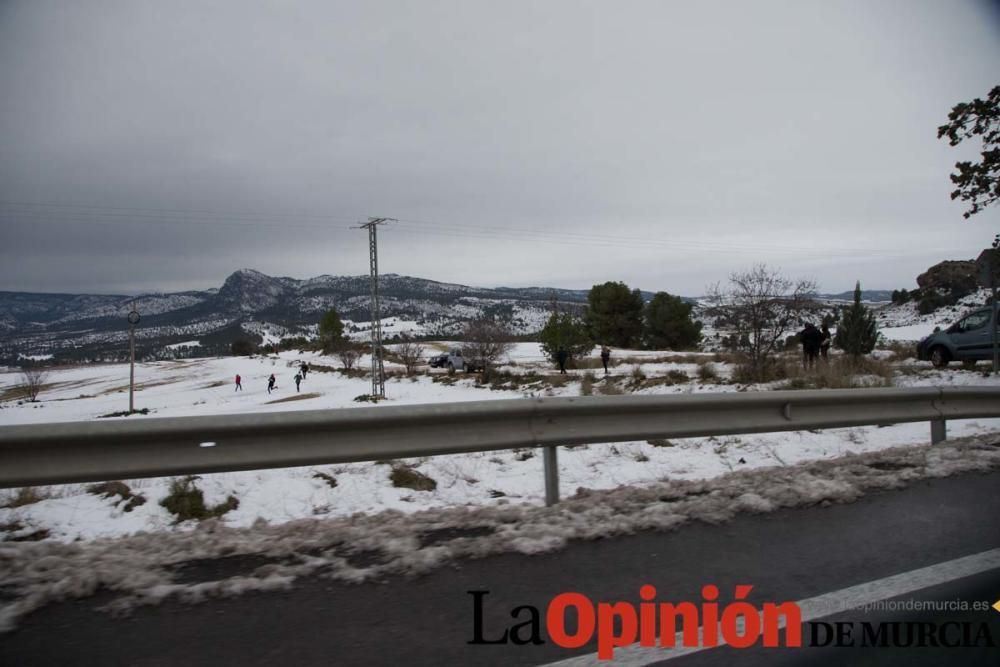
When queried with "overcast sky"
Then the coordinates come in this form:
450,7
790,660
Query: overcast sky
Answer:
161,145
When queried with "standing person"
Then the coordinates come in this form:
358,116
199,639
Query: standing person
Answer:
298,380
270,383
239,383
810,337
605,357
561,357
824,343
304,368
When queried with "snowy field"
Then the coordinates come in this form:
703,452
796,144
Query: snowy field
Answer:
492,479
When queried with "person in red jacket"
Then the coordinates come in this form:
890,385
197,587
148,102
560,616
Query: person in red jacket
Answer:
239,383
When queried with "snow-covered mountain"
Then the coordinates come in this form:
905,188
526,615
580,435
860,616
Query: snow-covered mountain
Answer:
254,305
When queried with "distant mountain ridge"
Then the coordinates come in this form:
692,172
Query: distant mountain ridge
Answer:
255,305
870,295
252,304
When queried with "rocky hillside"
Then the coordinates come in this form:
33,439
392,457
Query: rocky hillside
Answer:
254,305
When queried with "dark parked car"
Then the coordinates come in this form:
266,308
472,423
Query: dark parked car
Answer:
438,361
969,339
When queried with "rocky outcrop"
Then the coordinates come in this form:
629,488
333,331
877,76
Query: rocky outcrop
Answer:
949,277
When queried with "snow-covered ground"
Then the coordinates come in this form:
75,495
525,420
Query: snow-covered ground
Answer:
905,323
206,386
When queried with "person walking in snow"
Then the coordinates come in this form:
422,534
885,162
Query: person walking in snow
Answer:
270,383
298,380
824,343
304,368
811,338
239,383
561,357
605,357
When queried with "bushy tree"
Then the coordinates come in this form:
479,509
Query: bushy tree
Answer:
409,352
564,330
614,315
976,182
900,297
331,331
488,341
32,381
668,323
242,348
857,332
348,352
763,306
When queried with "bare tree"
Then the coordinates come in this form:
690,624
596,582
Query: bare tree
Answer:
486,342
32,380
409,352
762,306
347,352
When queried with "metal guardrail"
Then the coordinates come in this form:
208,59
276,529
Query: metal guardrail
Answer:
155,447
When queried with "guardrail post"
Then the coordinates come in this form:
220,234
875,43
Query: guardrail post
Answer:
551,466
938,431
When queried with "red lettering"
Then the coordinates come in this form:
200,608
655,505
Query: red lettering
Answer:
555,620
607,640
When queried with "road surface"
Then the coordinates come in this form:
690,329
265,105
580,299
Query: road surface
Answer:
785,555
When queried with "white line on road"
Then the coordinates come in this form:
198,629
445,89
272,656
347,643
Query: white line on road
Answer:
820,606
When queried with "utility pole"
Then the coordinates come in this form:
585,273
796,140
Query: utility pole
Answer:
378,370
133,319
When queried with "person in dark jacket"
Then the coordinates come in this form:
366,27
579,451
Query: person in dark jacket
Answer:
561,357
270,383
811,339
298,380
605,357
304,369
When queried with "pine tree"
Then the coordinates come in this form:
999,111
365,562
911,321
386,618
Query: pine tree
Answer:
669,324
565,331
331,331
857,332
614,315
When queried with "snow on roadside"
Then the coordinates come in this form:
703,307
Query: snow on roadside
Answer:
147,568
205,386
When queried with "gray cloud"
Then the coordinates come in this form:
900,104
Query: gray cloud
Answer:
557,143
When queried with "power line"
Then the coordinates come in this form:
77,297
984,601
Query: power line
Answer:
112,215
201,212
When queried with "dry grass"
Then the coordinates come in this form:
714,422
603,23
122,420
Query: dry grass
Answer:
589,363
139,386
609,388
406,477
120,489
840,372
707,372
20,392
26,495
186,501
296,397
668,358
212,385
329,479
900,351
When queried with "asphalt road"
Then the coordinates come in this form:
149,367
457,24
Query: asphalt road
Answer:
786,555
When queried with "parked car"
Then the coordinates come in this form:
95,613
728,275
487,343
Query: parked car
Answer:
438,361
453,360
969,339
